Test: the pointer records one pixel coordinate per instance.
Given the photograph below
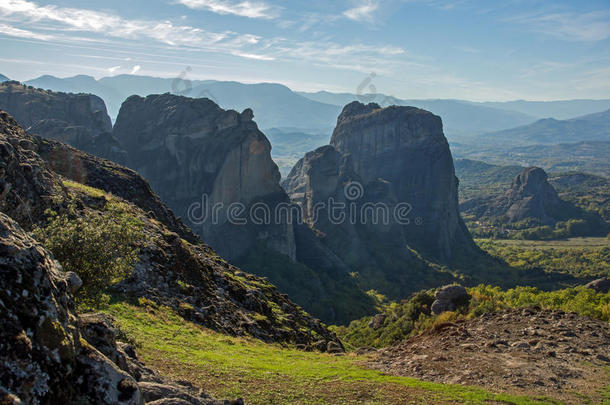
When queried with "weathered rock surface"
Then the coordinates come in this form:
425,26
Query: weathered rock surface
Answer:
175,267
392,170
601,285
80,120
406,148
448,298
530,196
40,342
521,351
194,152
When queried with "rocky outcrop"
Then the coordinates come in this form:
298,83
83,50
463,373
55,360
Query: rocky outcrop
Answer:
394,155
449,298
601,285
392,172
175,268
27,187
41,346
80,120
198,156
531,196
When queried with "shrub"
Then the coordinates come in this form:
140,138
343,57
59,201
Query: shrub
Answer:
99,247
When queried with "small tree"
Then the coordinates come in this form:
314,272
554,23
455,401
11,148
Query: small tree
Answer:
99,247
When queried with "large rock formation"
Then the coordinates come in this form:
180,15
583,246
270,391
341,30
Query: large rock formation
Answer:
174,267
198,156
392,170
530,197
80,120
393,155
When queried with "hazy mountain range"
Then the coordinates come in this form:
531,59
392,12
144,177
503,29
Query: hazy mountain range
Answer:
3,78
277,106
591,127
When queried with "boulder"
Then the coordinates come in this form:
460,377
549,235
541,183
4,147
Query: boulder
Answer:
377,321
448,298
601,285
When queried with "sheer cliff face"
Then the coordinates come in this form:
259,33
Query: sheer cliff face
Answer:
398,155
194,152
79,120
71,117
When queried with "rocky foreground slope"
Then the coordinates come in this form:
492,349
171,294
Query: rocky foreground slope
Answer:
51,355
521,351
41,337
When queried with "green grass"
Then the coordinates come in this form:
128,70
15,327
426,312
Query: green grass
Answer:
580,257
229,367
90,191
570,243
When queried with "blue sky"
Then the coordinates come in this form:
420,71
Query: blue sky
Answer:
469,49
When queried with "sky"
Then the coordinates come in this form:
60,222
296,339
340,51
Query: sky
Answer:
479,50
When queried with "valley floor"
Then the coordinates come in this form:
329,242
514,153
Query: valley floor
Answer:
229,367
569,243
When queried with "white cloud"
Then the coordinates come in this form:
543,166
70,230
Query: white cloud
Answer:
72,19
17,32
135,69
62,24
113,69
363,12
592,26
250,9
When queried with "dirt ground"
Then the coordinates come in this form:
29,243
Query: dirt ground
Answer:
533,352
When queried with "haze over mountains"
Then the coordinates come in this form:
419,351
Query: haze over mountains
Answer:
276,105
591,127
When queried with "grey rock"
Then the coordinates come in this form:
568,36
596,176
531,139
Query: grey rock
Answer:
601,285
190,148
377,321
451,293
448,298
41,347
80,120
389,157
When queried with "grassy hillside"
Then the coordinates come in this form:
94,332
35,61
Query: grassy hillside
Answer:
271,374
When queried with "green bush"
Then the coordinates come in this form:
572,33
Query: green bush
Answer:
405,320
98,246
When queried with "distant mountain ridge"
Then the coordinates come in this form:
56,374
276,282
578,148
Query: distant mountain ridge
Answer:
561,110
3,78
274,105
591,127
461,119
